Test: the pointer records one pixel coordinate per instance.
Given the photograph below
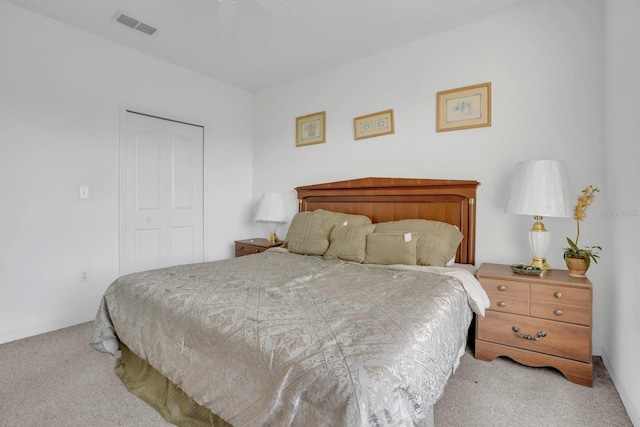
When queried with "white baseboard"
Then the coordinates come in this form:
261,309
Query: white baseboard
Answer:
40,329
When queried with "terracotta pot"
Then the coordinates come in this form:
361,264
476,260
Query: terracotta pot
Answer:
577,267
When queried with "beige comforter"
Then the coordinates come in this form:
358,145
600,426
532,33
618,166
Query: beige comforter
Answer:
282,339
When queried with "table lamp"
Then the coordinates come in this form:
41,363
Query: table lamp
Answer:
539,188
272,212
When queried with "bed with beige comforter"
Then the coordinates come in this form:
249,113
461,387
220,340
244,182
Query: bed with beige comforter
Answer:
283,339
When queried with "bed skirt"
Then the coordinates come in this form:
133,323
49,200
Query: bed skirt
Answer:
175,406
157,391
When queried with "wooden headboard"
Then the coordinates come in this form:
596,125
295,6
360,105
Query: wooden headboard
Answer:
392,199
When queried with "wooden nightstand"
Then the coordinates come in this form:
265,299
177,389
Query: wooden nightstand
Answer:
537,320
254,246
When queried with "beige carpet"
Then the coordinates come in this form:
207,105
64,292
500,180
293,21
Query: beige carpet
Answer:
503,393
56,379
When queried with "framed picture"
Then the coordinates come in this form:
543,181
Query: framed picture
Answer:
375,124
464,108
310,129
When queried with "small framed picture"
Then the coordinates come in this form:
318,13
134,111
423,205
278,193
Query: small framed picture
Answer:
310,129
464,108
375,124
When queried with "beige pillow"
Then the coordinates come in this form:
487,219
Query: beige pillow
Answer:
343,218
437,243
389,248
308,246
309,232
348,242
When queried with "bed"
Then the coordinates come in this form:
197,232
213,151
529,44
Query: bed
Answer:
346,326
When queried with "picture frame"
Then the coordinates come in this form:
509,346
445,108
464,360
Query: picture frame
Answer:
375,124
311,129
464,108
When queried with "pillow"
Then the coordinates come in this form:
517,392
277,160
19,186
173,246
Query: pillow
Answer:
389,248
437,243
453,258
348,242
308,246
343,218
309,232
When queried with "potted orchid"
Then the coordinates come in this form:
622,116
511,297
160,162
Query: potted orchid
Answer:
579,259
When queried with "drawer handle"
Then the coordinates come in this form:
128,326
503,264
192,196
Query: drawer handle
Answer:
502,288
257,251
558,294
558,312
502,304
541,334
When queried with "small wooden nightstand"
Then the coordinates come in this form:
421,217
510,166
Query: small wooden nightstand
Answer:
254,246
541,320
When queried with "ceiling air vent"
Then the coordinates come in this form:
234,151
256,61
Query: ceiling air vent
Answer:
134,23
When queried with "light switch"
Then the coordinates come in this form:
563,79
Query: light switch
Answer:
84,192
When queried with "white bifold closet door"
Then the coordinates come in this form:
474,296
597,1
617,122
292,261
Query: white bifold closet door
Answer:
161,214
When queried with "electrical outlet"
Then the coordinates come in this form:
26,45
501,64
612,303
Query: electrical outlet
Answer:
84,276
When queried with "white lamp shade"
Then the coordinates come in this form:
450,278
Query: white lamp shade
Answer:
271,209
540,188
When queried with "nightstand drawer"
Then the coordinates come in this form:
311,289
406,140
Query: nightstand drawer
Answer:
561,339
245,249
561,312
509,305
254,246
504,287
561,295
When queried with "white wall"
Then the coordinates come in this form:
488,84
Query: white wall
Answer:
545,62
61,92
622,335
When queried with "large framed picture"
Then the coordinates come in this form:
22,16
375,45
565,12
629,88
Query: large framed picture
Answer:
375,124
310,129
464,108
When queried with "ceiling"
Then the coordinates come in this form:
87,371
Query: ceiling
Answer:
256,44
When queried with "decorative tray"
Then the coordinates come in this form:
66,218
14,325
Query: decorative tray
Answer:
526,269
